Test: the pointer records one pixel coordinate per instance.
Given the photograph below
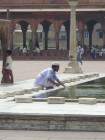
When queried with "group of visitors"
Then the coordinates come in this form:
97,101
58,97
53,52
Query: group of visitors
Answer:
97,51
93,51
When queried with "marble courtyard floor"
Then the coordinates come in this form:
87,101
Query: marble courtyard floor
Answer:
25,70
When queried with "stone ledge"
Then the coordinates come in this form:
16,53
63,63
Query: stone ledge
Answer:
87,101
23,99
10,93
3,95
52,122
56,100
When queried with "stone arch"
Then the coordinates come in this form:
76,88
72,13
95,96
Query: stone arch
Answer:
51,37
90,26
67,29
23,36
86,36
46,25
39,37
97,35
62,38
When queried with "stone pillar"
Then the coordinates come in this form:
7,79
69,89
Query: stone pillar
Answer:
11,36
33,35
33,39
81,32
24,30
4,32
57,27
90,27
73,43
73,66
67,28
8,14
103,28
46,39
57,39
104,37
90,30
46,29
11,39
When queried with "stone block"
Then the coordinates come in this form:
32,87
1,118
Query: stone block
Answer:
3,95
87,101
72,80
77,78
10,93
67,81
56,100
28,91
86,76
82,77
35,89
96,74
19,92
23,99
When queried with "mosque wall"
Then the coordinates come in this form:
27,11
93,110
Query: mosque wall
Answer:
30,2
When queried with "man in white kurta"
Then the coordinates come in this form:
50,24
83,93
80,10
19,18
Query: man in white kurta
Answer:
47,78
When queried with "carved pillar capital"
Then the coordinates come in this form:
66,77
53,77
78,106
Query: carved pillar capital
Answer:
73,3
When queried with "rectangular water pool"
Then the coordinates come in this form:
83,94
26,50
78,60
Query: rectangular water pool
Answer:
94,89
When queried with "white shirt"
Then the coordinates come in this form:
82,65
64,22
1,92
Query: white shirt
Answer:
24,50
37,50
78,49
42,78
82,50
9,62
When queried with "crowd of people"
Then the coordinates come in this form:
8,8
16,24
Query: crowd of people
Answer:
93,52
97,51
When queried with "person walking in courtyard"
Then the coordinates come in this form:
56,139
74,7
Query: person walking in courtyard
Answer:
8,68
47,78
79,54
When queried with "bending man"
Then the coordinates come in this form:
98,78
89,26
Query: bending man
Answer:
47,78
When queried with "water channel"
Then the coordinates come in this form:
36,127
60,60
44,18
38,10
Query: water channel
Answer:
94,89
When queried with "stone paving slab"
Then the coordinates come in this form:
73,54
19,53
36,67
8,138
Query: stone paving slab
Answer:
45,108
50,135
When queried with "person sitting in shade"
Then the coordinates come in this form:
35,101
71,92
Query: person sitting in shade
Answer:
47,78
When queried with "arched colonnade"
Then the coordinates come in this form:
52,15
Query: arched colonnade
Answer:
49,33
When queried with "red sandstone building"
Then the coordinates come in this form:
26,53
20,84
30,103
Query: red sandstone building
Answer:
46,23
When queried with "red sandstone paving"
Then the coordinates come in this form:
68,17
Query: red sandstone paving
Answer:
24,70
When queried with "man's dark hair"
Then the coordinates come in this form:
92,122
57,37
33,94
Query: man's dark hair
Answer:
54,66
9,52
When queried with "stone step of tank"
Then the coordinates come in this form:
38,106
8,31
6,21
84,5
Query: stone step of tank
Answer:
56,100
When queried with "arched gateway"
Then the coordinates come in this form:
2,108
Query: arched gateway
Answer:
54,18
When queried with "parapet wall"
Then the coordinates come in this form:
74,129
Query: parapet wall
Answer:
47,3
